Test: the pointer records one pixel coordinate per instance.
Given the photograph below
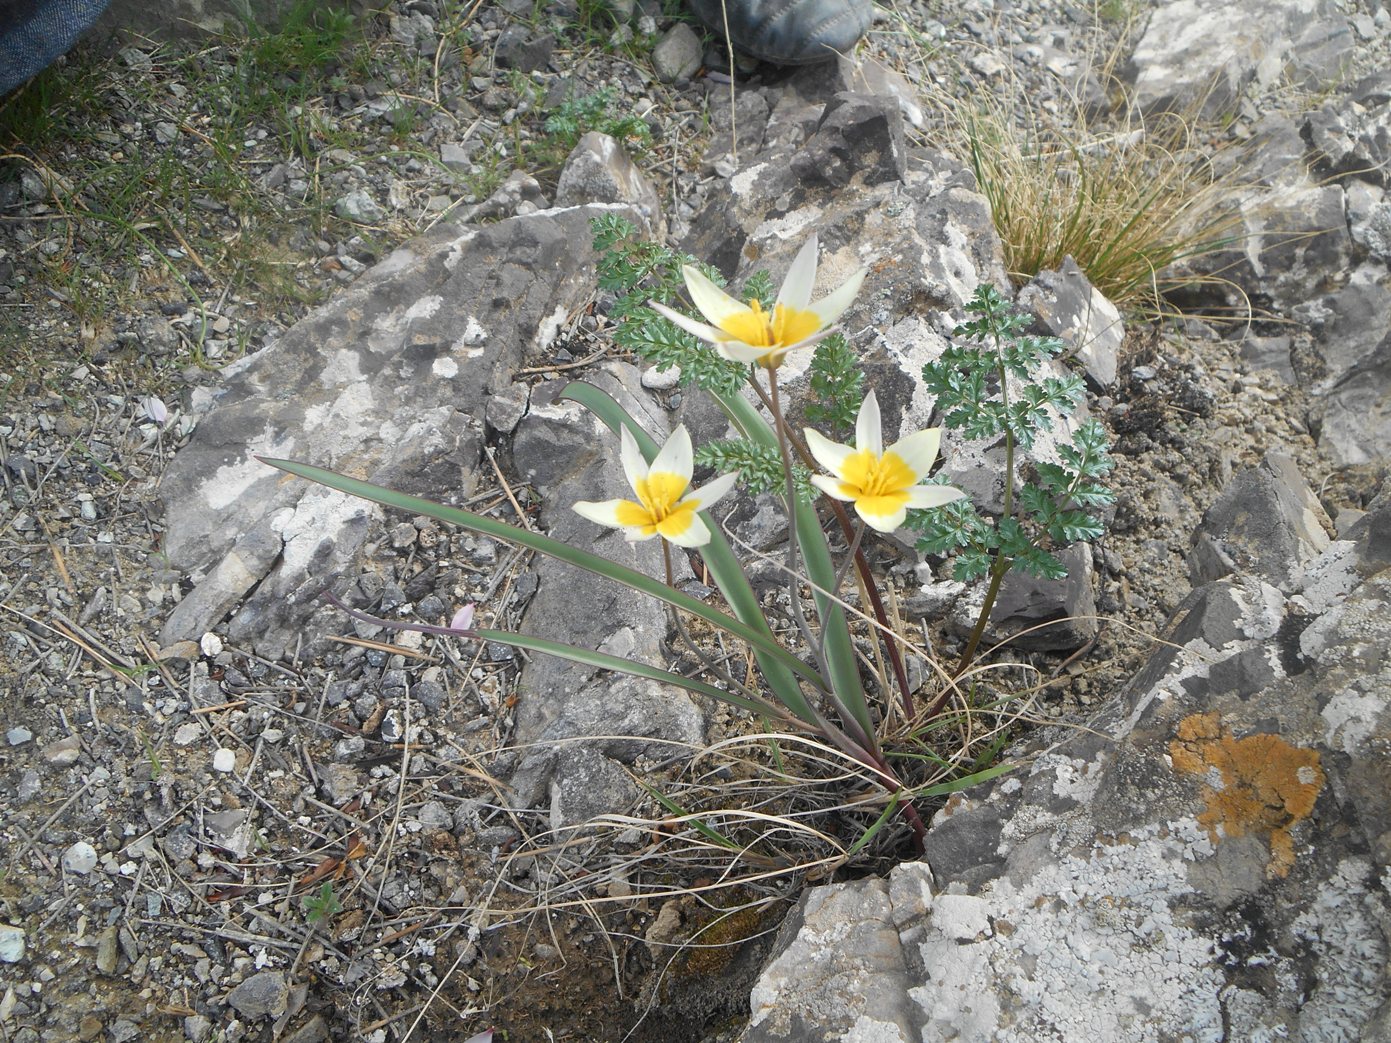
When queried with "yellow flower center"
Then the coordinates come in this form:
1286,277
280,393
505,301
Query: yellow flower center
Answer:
658,510
879,484
782,327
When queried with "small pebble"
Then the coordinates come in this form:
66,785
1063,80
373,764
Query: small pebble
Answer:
80,858
11,943
187,734
19,735
63,752
211,645
224,760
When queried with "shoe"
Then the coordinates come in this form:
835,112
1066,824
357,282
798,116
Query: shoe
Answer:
788,32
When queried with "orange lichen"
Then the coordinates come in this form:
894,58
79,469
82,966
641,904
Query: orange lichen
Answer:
1268,786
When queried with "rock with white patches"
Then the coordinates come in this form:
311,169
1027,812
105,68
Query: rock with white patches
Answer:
599,171
1267,523
1206,860
389,382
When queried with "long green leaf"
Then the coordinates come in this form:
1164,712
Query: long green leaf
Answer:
816,553
718,556
552,548
604,661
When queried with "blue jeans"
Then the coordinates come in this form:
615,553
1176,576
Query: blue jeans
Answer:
34,32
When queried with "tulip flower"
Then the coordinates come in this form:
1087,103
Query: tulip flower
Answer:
663,507
746,333
882,483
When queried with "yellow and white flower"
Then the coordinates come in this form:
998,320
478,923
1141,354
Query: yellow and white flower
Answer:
747,333
664,507
882,483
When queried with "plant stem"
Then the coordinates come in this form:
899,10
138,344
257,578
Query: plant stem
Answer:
794,595
876,601
1002,560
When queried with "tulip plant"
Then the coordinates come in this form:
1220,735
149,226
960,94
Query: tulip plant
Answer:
813,684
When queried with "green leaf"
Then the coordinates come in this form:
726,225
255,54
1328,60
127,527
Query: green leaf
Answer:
816,554
837,386
617,664
414,505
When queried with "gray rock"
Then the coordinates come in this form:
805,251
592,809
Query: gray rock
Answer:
1041,615
359,206
568,455
18,735
585,783
1203,861
1268,353
62,753
1287,238
108,952
80,858
855,987
507,406
387,381
599,171
734,131
1203,53
518,49
859,136
11,943
315,1030
197,1029
1348,323
1354,416
1351,138
861,74
1369,219
230,830
677,54
263,995
1267,523
1067,306
340,783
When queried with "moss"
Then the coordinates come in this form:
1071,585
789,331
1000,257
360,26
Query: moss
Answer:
1268,786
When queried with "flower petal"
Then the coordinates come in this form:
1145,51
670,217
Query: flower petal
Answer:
711,301
830,455
830,486
738,351
711,492
869,427
634,466
675,456
690,325
801,276
695,533
605,512
868,508
833,305
923,497
918,451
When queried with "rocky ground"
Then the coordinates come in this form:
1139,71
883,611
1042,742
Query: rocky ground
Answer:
209,841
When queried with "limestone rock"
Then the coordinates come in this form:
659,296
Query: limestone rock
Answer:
1206,860
1268,524
262,995
518,49
388,382
1204,53
1067,306
858,136
677,54
599,171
